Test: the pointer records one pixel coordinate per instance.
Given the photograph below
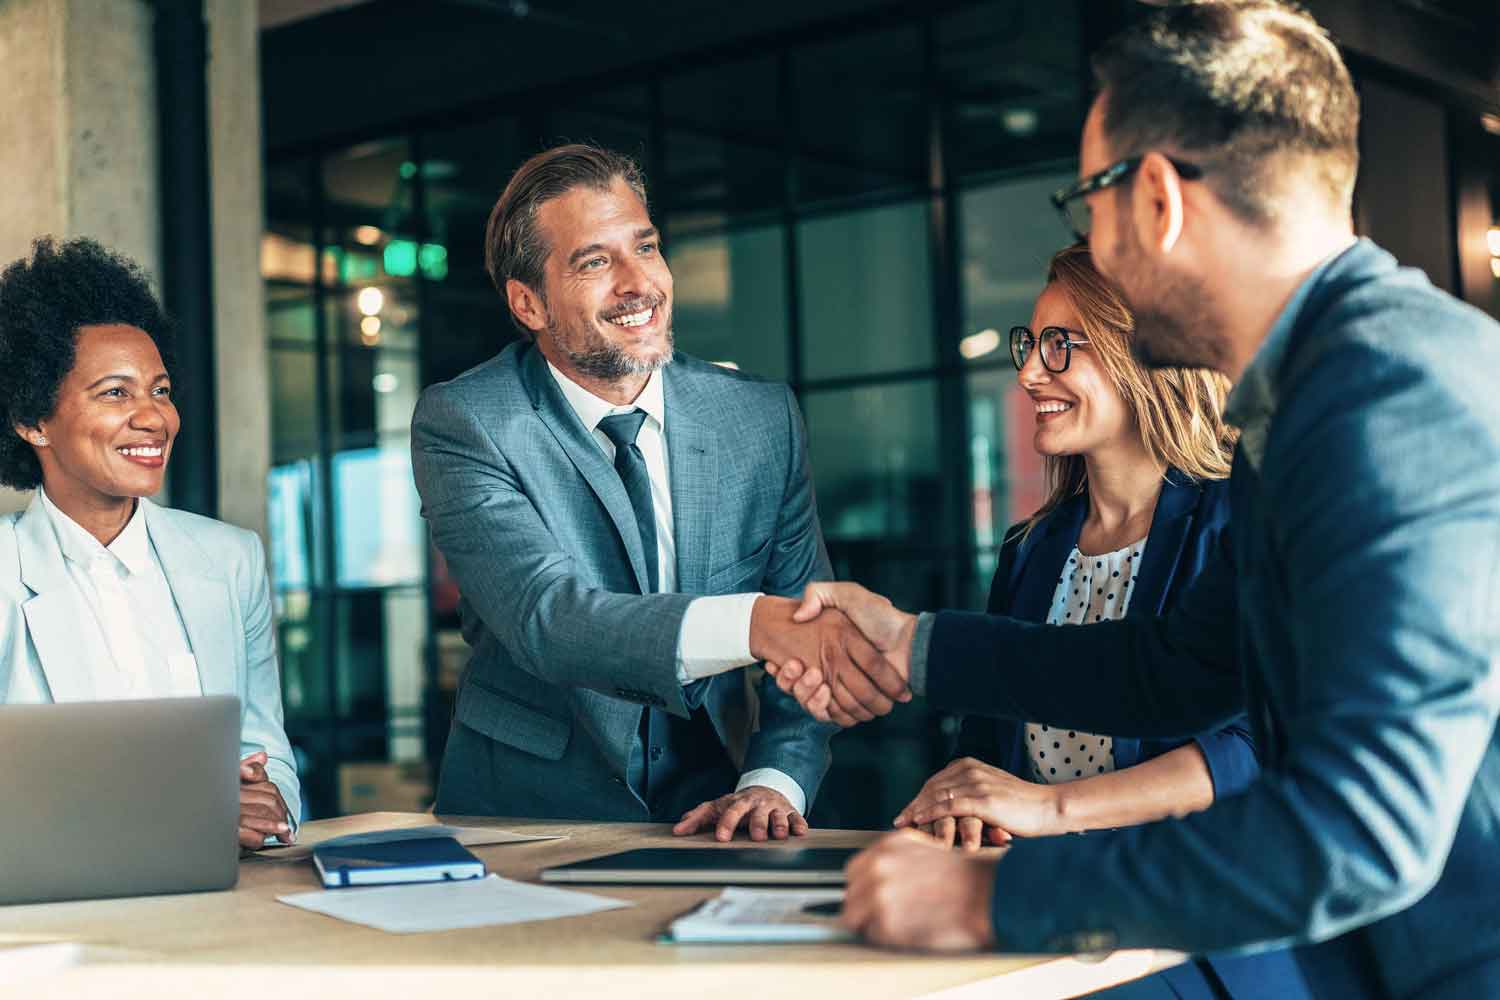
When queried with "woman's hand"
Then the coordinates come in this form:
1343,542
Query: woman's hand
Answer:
262,812
975,801
968,832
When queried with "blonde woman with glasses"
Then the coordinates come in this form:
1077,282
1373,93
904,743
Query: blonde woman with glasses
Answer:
1137,462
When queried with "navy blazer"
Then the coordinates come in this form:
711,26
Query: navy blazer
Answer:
1187,529
1359,622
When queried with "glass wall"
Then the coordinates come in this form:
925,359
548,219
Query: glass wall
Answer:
861,216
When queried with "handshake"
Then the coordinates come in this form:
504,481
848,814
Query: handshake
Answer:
842,652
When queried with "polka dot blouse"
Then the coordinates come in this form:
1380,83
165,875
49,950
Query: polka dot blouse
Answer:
1091,589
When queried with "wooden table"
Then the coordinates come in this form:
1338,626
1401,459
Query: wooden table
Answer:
244,943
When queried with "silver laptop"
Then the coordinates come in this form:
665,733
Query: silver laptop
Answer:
118,798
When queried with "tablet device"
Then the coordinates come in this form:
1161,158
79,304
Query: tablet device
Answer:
711,866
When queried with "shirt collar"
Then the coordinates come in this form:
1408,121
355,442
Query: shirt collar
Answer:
132,546
591,409
1254,398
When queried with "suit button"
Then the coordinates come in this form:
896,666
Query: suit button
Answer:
656,753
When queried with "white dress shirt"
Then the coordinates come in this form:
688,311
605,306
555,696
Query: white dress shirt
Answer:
132,643
715,635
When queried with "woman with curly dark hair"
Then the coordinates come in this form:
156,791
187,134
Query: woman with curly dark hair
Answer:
103,594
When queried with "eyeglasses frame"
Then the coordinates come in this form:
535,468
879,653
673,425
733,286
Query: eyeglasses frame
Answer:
1114,174
1036,337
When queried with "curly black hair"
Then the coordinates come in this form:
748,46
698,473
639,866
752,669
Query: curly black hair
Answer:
43,302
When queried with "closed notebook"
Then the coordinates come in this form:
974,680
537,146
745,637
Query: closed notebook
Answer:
426,859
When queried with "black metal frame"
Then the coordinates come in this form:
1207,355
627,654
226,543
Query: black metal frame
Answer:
181,53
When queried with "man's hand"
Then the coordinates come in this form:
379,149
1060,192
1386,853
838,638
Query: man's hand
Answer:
983,802
861,683
262,812
909,891
887,627
764,811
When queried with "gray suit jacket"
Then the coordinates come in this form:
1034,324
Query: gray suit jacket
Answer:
217,574
538,531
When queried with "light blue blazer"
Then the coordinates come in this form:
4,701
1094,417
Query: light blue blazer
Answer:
217,574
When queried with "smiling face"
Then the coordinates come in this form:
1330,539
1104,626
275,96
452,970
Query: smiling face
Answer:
607,313
1078,411
111,433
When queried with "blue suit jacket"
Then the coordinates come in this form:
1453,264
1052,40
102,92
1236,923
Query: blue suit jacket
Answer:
537,529
1360,625
1188,531
217,575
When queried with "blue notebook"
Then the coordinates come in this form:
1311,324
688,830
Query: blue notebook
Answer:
425,859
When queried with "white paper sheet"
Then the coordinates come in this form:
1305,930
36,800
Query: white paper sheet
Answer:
468,836
37,960
445,906
761,915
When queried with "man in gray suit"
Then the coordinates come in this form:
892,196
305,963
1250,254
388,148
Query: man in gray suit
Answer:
615,518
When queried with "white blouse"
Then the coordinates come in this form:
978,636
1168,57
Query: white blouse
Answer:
132,643
1091,589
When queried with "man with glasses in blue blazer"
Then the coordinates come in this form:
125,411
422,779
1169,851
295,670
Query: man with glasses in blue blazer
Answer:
1358,617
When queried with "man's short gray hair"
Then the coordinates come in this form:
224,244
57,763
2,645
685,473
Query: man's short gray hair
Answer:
513,244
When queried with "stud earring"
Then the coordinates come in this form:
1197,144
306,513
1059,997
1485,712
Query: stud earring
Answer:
41,440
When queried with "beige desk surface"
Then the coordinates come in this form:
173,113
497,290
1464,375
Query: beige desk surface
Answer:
244,943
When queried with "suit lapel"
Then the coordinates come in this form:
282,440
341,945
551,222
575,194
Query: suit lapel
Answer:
1042,555
583,451
203,600
692,464
53,614
1169,531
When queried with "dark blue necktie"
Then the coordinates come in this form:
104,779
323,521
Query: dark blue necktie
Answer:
622,429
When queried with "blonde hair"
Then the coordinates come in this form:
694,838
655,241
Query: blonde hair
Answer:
1177,411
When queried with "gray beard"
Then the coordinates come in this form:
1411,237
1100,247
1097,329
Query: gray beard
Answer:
593,356
610,364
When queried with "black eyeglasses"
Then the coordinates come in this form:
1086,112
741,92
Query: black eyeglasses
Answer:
1072,204
1057,347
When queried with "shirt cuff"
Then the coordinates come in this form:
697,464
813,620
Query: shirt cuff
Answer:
920,640
769,777
715,636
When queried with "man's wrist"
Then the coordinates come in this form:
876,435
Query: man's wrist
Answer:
776,781
767,612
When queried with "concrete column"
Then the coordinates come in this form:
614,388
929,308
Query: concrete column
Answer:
79,158
79,127
241,352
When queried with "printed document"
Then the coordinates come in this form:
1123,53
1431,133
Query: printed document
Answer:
763,915
446,906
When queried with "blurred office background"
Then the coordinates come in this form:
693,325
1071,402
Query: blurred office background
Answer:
854,200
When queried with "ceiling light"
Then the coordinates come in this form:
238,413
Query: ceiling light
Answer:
385,382
370,300
368,235
1020,122
977,345
369,326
